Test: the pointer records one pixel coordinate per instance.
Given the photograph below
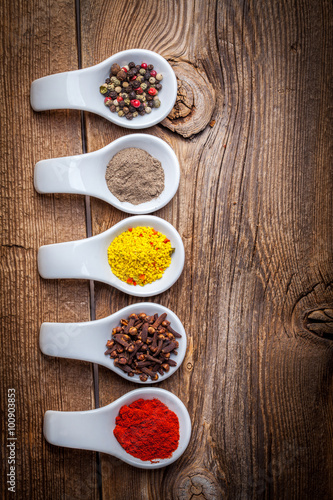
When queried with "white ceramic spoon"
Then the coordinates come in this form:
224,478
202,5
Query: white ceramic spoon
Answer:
87,341
87,258
85,174
80,89
93,429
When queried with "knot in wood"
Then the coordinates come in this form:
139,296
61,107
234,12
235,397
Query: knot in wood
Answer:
320,322
201,485
195,101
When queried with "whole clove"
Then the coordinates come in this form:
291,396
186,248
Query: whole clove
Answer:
141,345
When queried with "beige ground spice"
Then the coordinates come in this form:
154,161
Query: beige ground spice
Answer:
133,175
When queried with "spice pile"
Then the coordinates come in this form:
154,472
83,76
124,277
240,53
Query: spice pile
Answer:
142,345
147,429
132,90
140,255
133,175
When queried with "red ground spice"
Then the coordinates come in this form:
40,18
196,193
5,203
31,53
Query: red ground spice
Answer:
147,429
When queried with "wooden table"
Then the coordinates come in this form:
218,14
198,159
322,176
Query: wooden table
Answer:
252,129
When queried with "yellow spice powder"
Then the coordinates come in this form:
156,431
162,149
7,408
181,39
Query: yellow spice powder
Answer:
140,255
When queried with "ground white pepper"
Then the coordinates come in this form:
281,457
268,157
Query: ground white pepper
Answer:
133,175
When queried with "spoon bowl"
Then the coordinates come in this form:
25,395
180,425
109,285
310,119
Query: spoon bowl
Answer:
87,341
85,174
88,259
93,429
79,89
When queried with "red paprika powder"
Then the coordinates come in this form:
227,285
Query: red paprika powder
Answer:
147,429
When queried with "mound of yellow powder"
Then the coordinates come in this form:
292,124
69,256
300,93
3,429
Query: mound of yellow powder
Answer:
140,255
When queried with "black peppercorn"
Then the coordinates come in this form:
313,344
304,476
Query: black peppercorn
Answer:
121,104
132,95
129,116
114,69
121,75
132,109
135,71
146,77
141,107
149,97
135,84
142,113
131,64
113,94
150,67
158,86
138,67
108,80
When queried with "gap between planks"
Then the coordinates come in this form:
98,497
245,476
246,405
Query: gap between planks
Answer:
89,234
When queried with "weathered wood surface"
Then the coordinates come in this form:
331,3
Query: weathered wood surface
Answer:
254,210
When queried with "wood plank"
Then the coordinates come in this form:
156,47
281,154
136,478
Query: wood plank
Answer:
38,39
254,212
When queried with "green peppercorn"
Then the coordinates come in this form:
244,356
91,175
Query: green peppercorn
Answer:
135,114
152,79
117,108
157,103
125,85
125,110
123,95
115,102
103,88
108,103
116,82
159,77
110,86
127,101
142,71
139,79
121,113
113,78
148,109
118,90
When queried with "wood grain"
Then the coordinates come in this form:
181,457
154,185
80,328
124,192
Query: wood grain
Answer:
254,210
38,39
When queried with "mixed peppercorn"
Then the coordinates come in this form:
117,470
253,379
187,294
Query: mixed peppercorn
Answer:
132,90
142,345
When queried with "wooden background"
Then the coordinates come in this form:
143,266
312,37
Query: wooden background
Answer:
252,129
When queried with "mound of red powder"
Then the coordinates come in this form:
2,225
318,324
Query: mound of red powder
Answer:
147,429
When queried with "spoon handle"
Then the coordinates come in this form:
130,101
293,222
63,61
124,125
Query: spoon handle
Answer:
87,430
60,91
84,341
62,175
81,259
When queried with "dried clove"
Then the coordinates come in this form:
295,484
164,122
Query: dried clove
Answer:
142,345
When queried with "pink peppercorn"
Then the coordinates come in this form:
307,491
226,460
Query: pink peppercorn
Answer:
144,65
107,99
119,98
153,73
152,91
124,69
135,102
